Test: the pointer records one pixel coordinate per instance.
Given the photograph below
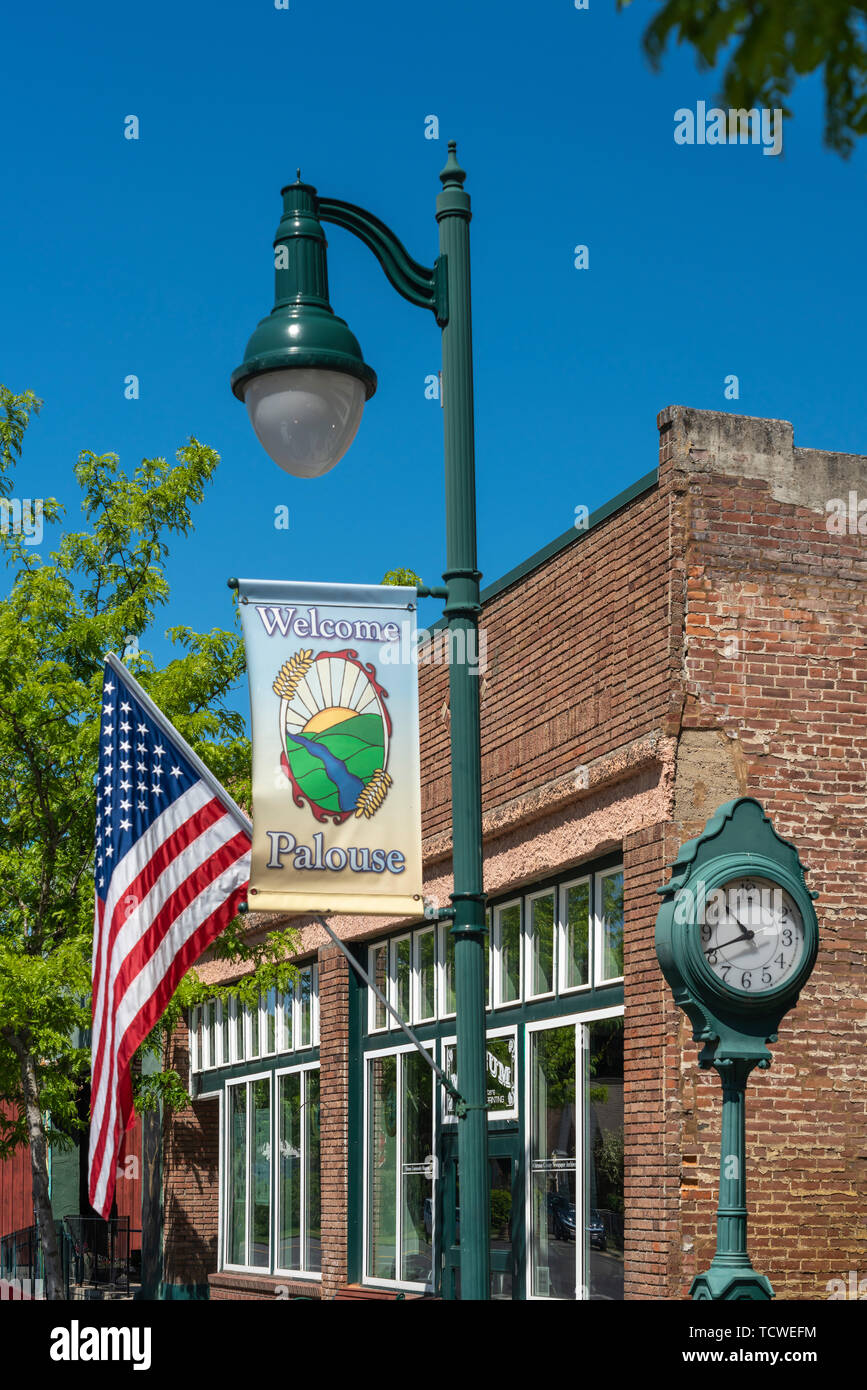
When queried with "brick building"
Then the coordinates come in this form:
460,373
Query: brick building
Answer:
702,639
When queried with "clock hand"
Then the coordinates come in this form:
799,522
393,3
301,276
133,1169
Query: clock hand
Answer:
735,941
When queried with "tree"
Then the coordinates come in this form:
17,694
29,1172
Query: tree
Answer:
98,590
770,44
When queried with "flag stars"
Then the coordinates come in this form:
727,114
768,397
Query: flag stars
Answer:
176,772
142,728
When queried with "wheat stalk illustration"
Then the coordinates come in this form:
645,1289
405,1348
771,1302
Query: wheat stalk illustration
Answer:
373,795
291,672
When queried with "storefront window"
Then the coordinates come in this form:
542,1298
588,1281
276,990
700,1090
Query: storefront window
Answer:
382,1168
400,1169
298,1178
312,1181
552,1163
290,1149
604,1159
502,1074
237,1253
416,1173
260,1178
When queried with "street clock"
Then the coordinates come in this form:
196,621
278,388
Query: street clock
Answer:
736,939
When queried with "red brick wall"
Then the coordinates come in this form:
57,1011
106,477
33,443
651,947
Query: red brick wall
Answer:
791,699
578,663
333,1113
190,1183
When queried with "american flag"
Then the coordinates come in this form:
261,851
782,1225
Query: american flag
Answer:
172,865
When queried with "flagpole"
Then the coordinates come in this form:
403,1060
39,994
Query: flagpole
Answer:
171,732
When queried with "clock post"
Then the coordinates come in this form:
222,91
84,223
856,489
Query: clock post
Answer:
736,939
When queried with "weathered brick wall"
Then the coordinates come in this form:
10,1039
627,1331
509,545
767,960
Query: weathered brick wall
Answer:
775,706
190,1182
334,1114
578,663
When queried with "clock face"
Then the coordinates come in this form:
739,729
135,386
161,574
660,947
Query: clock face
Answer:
752,936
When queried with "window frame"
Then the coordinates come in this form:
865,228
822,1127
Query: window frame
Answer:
497,1002
368,1280
527,937
582,1021
563,890
599,979
226,1151
415,987
299,1068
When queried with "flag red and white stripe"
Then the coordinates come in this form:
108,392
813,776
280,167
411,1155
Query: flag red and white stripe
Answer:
172,867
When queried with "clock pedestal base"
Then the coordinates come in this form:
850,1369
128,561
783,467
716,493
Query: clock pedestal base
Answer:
725,1282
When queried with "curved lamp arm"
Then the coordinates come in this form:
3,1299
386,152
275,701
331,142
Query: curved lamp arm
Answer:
428,288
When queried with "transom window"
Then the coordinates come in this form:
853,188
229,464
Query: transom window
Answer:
548,942
225,1032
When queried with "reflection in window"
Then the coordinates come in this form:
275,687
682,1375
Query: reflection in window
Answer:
542,944
305,1007
260,1177
299,1182
416,1260
449,971
402,976
427,977
271,1021
379,974
508,930
286,1012
312,1179
604,1159
382,1164
237,1175
576,944
289,1144
552,1162
399,1167
611,913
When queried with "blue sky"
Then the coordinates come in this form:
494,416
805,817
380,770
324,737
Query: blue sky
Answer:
153,257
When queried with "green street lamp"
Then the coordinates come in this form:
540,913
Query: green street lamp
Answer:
304,382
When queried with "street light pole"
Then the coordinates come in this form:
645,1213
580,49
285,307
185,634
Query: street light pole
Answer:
306,428
462,610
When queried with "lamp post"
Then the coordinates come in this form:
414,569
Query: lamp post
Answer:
304,382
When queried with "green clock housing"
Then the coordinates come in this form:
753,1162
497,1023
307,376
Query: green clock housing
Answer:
736,939
736,934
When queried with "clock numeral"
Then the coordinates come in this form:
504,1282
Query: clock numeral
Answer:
767,977
780,961
713,958
787,936
746,980
724,971
706,932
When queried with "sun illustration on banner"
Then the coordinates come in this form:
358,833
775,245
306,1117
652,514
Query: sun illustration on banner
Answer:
334,732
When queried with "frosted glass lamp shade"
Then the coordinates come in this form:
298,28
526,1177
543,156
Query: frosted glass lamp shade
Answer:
305,418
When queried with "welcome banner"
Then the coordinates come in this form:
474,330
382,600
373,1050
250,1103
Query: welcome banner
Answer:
336,778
